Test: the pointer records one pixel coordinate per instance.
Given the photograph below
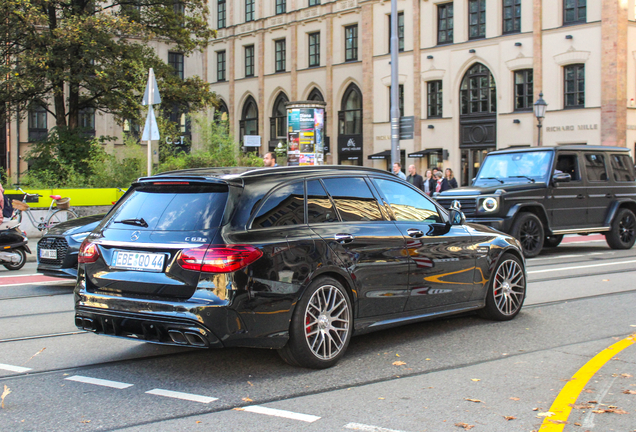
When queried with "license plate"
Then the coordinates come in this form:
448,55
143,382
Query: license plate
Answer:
48,253
144,261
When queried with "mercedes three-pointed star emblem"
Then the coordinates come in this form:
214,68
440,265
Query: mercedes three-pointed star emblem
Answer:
135,236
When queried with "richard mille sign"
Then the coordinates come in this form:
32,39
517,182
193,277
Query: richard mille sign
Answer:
570,128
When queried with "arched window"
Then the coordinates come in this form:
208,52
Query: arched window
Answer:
350,116
315,95
278,120
478,92
249,118
221,114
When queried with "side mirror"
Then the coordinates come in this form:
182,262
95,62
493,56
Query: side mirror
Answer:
561,178
457,217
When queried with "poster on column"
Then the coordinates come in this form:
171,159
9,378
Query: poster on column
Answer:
293,137
305,131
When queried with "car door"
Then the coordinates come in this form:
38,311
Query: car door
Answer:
567,201
368,245
441,255
599,187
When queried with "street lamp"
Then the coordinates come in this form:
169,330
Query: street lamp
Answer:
539,113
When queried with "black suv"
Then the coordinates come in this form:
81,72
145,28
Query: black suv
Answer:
538,194
296,259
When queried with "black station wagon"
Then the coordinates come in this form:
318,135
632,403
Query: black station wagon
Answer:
296,259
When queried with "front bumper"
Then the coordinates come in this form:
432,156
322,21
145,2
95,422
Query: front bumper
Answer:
500,224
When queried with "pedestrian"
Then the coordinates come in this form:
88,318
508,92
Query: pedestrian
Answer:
1,203
414,178
269,160
441,184
432,183
452,181
427,182
397,170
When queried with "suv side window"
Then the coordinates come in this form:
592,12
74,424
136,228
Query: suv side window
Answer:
320,209
407,204
623,168
569,164
595,166
353,199
285,206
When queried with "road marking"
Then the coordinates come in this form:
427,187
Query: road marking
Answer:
22,275
99,382
568,396
553,258
10,368
179,395
582,266
58,282
280,413
588,421
368,428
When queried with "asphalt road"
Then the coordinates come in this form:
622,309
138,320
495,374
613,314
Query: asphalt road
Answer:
455,374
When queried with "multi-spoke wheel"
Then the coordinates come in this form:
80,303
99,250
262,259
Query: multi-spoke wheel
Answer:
528,229
321,327
623,232
507,290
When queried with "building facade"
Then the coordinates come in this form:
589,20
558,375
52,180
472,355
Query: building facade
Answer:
469,74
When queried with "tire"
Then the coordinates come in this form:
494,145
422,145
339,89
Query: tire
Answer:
528,229
59,216
623,231
20,264
507,290
321,326
552,241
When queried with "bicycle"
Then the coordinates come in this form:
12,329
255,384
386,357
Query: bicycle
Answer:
61,213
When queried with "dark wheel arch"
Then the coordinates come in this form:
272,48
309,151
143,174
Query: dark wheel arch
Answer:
529,230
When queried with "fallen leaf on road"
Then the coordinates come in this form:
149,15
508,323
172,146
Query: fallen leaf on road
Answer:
581,406
466,426
381,398
592,402
629,392
399,363
85,421
198,421
39,352
515,398
238,409
5,393
247,400
610,410
250,384
397,355
545,414
605,280
427,359
577,424
475,379
472,400
627,376
535,409
510,418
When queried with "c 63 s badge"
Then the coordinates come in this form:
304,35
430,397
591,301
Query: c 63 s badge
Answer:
196,239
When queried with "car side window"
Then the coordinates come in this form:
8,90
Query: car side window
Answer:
595,167
407,204
568,164
353,199
320,209
623,168
284,207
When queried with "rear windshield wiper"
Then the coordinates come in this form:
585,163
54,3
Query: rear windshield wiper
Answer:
137,222
491,178
525,177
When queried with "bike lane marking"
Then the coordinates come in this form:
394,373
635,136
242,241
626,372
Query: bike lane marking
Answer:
562,405
31,279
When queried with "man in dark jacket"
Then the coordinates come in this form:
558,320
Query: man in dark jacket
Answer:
414,178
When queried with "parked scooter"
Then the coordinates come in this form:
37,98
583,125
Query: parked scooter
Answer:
13,248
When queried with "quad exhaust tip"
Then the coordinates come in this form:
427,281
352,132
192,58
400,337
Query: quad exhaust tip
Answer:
187,338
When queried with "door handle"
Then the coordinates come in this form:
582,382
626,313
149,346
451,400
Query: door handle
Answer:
580,196
344,238
608,195
415,233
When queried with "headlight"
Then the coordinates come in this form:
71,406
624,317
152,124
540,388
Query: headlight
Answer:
490,204
79,237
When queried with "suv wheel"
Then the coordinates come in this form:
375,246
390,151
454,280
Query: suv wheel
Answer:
623,231
321,327
507,290
553,240
528,229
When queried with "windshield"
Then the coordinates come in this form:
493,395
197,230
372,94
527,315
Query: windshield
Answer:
527,167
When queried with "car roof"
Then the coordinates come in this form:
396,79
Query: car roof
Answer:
579,147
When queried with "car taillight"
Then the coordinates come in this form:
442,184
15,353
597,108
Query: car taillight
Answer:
218,258
88,252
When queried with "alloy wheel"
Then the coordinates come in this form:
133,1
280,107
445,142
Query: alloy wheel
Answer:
509,287
327,318
627,228
530,235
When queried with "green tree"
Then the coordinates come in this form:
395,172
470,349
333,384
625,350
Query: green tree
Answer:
72,55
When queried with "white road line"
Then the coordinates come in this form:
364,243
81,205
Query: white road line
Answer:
38,283
281,413
10,368
556,257
367,428
99,382
582,267
22,275
179,395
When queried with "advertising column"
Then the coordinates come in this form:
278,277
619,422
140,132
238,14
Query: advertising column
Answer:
305,133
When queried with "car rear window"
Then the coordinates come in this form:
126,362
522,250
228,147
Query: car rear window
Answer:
172,207
285,206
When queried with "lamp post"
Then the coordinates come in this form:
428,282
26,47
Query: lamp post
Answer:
539,112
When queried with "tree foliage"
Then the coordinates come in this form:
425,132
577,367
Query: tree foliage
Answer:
71,55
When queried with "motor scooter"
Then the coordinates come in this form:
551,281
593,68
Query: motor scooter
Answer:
13,248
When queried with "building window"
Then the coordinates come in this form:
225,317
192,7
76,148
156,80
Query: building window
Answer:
511,16
249,10
280,55
281,7
434,98
314,2
179,10
220,14
574,11
220,66
249,61
445,23
351,42
87,121
314,49
278,121
478,92
400,31
574,86
249,119
38,128
523,90
221,113
476,19
176,61
350,116
400,100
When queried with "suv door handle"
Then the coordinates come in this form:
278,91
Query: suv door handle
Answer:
344,238
415,233
608,195
580,196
